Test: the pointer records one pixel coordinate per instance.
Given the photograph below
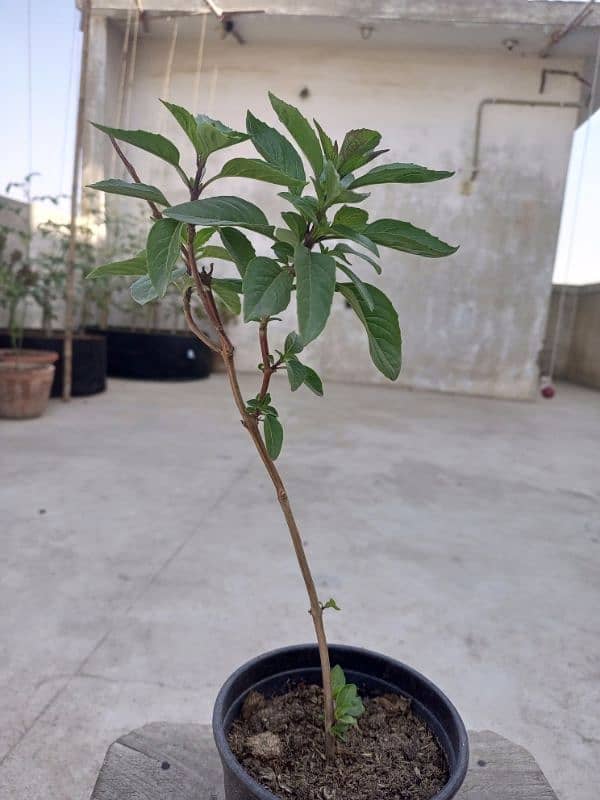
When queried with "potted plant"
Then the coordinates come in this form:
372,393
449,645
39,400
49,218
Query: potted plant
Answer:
47,258
286,723
148,343
25,374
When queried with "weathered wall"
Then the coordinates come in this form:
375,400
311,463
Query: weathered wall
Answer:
471,323
559,331
578,336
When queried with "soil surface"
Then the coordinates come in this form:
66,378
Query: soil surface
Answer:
390,755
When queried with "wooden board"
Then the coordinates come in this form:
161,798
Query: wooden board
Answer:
164,761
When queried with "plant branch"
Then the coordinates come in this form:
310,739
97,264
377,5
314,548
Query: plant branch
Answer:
192,325
268,368
131,170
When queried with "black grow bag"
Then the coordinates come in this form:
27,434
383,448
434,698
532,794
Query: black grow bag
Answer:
373,673
157,356
89,360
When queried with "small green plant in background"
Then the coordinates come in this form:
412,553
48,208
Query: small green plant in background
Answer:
312,257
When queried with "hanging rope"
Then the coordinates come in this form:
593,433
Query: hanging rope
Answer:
131,72
547,389
122,78
67,127
70,282
166,92
213,90
199,61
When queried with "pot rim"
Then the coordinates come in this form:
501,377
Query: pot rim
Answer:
27,356
220,711
12,370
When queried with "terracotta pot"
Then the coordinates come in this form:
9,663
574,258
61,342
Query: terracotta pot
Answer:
26,356
25,383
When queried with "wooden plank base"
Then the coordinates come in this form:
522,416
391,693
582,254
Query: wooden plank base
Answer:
165,761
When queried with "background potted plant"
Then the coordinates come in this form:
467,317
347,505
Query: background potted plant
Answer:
147,340
46,250
25,374
285,723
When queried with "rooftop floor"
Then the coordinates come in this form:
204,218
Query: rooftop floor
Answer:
143,559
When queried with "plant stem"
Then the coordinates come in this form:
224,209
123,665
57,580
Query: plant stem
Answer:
316,611
250,422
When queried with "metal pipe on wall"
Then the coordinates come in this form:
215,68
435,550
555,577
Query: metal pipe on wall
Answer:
506,102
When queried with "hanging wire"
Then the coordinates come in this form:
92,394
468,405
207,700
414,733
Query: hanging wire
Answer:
121,90
213,90
131,71
166,92
199,61
571,238
29,105
68,104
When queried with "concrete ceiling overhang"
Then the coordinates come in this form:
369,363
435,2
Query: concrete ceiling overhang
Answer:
525,26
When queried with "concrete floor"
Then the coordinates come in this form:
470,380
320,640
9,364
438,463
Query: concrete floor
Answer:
143,559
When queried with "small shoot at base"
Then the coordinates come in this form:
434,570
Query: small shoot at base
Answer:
348,706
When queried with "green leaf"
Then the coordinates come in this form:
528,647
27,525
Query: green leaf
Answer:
260,171
343,232
234,284
307,206
214,135
295,223
214,251
202,236
315,286
267,289
143,291
356,144
273,436
381,325
343,249
296,373
405,237
329,149
162,250
223,289
275,148
399,173
301,131
293,344
141,190
187,122
331,604
329,181
238,246
360,287
283,251
355,218
338,680
221,211
150,142
206,134
287,236
130,266
313,382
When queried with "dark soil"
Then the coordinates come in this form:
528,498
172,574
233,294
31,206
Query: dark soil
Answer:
390,755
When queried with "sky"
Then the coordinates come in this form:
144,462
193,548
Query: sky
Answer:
55,49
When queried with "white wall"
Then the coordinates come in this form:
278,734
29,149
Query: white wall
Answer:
471,323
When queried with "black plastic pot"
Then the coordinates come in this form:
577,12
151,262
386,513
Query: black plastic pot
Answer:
89,360
155,355
373,673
